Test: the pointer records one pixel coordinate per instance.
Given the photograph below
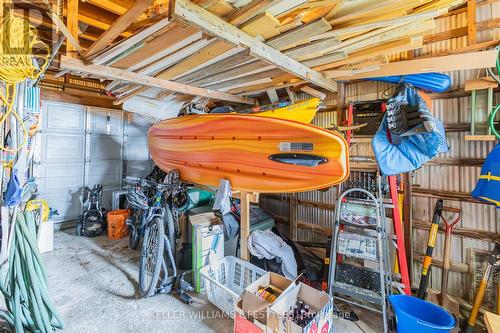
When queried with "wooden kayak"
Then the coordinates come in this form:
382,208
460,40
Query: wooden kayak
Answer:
303,111
256,154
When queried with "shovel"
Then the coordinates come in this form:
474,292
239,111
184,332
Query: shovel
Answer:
445,300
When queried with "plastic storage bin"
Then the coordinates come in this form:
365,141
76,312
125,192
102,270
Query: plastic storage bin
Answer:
416,315
117,226
227,279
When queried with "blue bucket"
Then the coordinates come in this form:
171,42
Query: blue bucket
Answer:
416,315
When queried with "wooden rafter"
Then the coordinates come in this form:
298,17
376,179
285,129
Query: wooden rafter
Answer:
197,16
471,22
78,65
72,21
119,26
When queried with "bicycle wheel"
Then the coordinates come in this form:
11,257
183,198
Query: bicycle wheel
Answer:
135,230
151,257
169,219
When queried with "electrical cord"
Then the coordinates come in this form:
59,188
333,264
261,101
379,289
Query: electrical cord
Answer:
17,64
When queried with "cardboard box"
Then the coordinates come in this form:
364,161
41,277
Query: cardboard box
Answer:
245,323
319,301
251,303
208,241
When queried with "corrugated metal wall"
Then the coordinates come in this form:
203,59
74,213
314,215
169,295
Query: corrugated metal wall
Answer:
454,178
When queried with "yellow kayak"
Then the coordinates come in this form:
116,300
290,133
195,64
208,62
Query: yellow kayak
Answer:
302,112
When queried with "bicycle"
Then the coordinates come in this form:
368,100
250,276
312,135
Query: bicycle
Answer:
157,228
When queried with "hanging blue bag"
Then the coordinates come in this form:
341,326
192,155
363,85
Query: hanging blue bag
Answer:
405,152
488,184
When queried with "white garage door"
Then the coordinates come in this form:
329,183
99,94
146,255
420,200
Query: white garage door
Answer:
86,146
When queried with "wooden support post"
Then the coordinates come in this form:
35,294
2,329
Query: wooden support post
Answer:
292,212
72,23
244,225
471,22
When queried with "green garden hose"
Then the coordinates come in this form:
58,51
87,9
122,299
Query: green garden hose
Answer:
29,308
492,121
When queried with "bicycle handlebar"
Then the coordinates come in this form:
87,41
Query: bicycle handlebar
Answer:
150,183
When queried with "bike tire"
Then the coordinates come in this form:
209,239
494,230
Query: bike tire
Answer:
169,219
133,238
151,257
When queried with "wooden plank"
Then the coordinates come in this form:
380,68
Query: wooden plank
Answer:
209,52
245,79
119,74
244,225
64,29
247,12
264,25
492,322
313,92
125,45
369,53
172,37
113,6
239,71
225,64
72,21
471,22
188,11
445,35
378,24
300,35
481,83
473,60
312,50
480,138
78,97
119,26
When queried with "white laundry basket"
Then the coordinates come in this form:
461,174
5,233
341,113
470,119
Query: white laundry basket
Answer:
226,280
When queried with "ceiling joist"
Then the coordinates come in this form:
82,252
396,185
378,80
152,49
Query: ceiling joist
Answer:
119,26
78,65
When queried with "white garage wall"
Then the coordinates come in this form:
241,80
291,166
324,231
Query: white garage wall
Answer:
83,145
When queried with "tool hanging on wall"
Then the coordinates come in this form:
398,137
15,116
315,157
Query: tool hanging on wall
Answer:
445,300
493,261
431,243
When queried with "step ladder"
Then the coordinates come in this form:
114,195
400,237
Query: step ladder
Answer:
363,277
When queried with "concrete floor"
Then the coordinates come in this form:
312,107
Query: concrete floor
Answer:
94,286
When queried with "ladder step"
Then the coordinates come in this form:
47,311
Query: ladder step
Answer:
357,292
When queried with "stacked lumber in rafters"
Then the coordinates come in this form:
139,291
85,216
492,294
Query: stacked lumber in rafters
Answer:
340,38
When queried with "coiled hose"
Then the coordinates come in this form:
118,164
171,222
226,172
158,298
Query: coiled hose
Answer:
25,284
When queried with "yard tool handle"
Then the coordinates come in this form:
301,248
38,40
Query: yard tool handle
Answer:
431,243
447,246
471,322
